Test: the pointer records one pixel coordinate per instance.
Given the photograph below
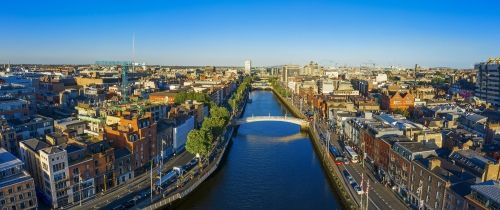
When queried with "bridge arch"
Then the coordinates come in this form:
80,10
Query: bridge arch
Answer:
301,122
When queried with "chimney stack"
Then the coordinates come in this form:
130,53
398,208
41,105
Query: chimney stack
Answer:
434,163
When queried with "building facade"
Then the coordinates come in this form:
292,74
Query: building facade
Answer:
17,188
488,81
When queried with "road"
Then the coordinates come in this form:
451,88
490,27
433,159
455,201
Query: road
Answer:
380,197
126,192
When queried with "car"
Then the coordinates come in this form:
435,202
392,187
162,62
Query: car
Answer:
119,207
346,161
358,190
129,204
137,197
346,173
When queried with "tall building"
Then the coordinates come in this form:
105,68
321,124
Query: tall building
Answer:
312,69
136,132
49,166
488,81
248,66
289,70
17,188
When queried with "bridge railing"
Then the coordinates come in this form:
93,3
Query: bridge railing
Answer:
272,118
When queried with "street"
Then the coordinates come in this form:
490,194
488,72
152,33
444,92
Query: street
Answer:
126,192
379,196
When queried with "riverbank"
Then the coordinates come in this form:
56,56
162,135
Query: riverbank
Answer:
268,165
184,191
329,166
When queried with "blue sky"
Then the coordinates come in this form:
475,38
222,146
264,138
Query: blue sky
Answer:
269,32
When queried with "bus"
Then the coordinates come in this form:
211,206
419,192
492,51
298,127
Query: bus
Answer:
336,155
168,178
351,154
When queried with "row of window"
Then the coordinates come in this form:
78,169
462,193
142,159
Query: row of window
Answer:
22,205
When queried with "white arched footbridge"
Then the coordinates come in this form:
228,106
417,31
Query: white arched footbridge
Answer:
297,121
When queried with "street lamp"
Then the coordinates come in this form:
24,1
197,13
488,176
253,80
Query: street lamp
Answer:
80,187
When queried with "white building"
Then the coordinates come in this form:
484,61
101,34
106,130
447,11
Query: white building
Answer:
54,162
181,131
328,87
381,78
248,66
332,74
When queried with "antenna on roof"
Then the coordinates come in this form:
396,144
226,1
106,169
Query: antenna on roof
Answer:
416,69
133,51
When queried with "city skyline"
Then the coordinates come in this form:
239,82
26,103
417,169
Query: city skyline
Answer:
225,33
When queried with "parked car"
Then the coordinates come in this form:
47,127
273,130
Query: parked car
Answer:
119,207
348,177
358,189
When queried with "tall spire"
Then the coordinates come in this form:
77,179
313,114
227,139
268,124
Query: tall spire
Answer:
133,51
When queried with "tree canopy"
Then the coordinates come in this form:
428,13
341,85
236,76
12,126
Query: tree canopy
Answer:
198,142
183,96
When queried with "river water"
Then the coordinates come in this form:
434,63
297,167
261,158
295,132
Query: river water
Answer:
270,165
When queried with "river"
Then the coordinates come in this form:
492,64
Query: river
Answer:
269,165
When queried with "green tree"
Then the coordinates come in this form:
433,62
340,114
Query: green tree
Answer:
233,103
219,112
183,96
438,81
214,125
199,142
180,97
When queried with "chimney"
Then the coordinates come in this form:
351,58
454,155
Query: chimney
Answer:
434,163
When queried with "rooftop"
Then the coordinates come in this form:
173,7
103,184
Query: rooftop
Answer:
53,150
489,189
446,170
35,144
414,147
8,160
21,177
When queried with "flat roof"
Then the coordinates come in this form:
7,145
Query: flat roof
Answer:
415,146
8,160
21,177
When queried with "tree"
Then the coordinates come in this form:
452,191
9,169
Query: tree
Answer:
438,81
233,103
183,96
199,142
219,112
214,125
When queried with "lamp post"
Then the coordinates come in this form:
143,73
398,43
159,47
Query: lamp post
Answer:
80,187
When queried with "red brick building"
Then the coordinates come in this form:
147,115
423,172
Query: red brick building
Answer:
397,100
163,97
136,132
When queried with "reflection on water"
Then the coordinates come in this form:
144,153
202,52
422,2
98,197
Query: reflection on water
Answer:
270,165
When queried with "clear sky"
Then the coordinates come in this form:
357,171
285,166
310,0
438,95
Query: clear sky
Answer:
450,33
